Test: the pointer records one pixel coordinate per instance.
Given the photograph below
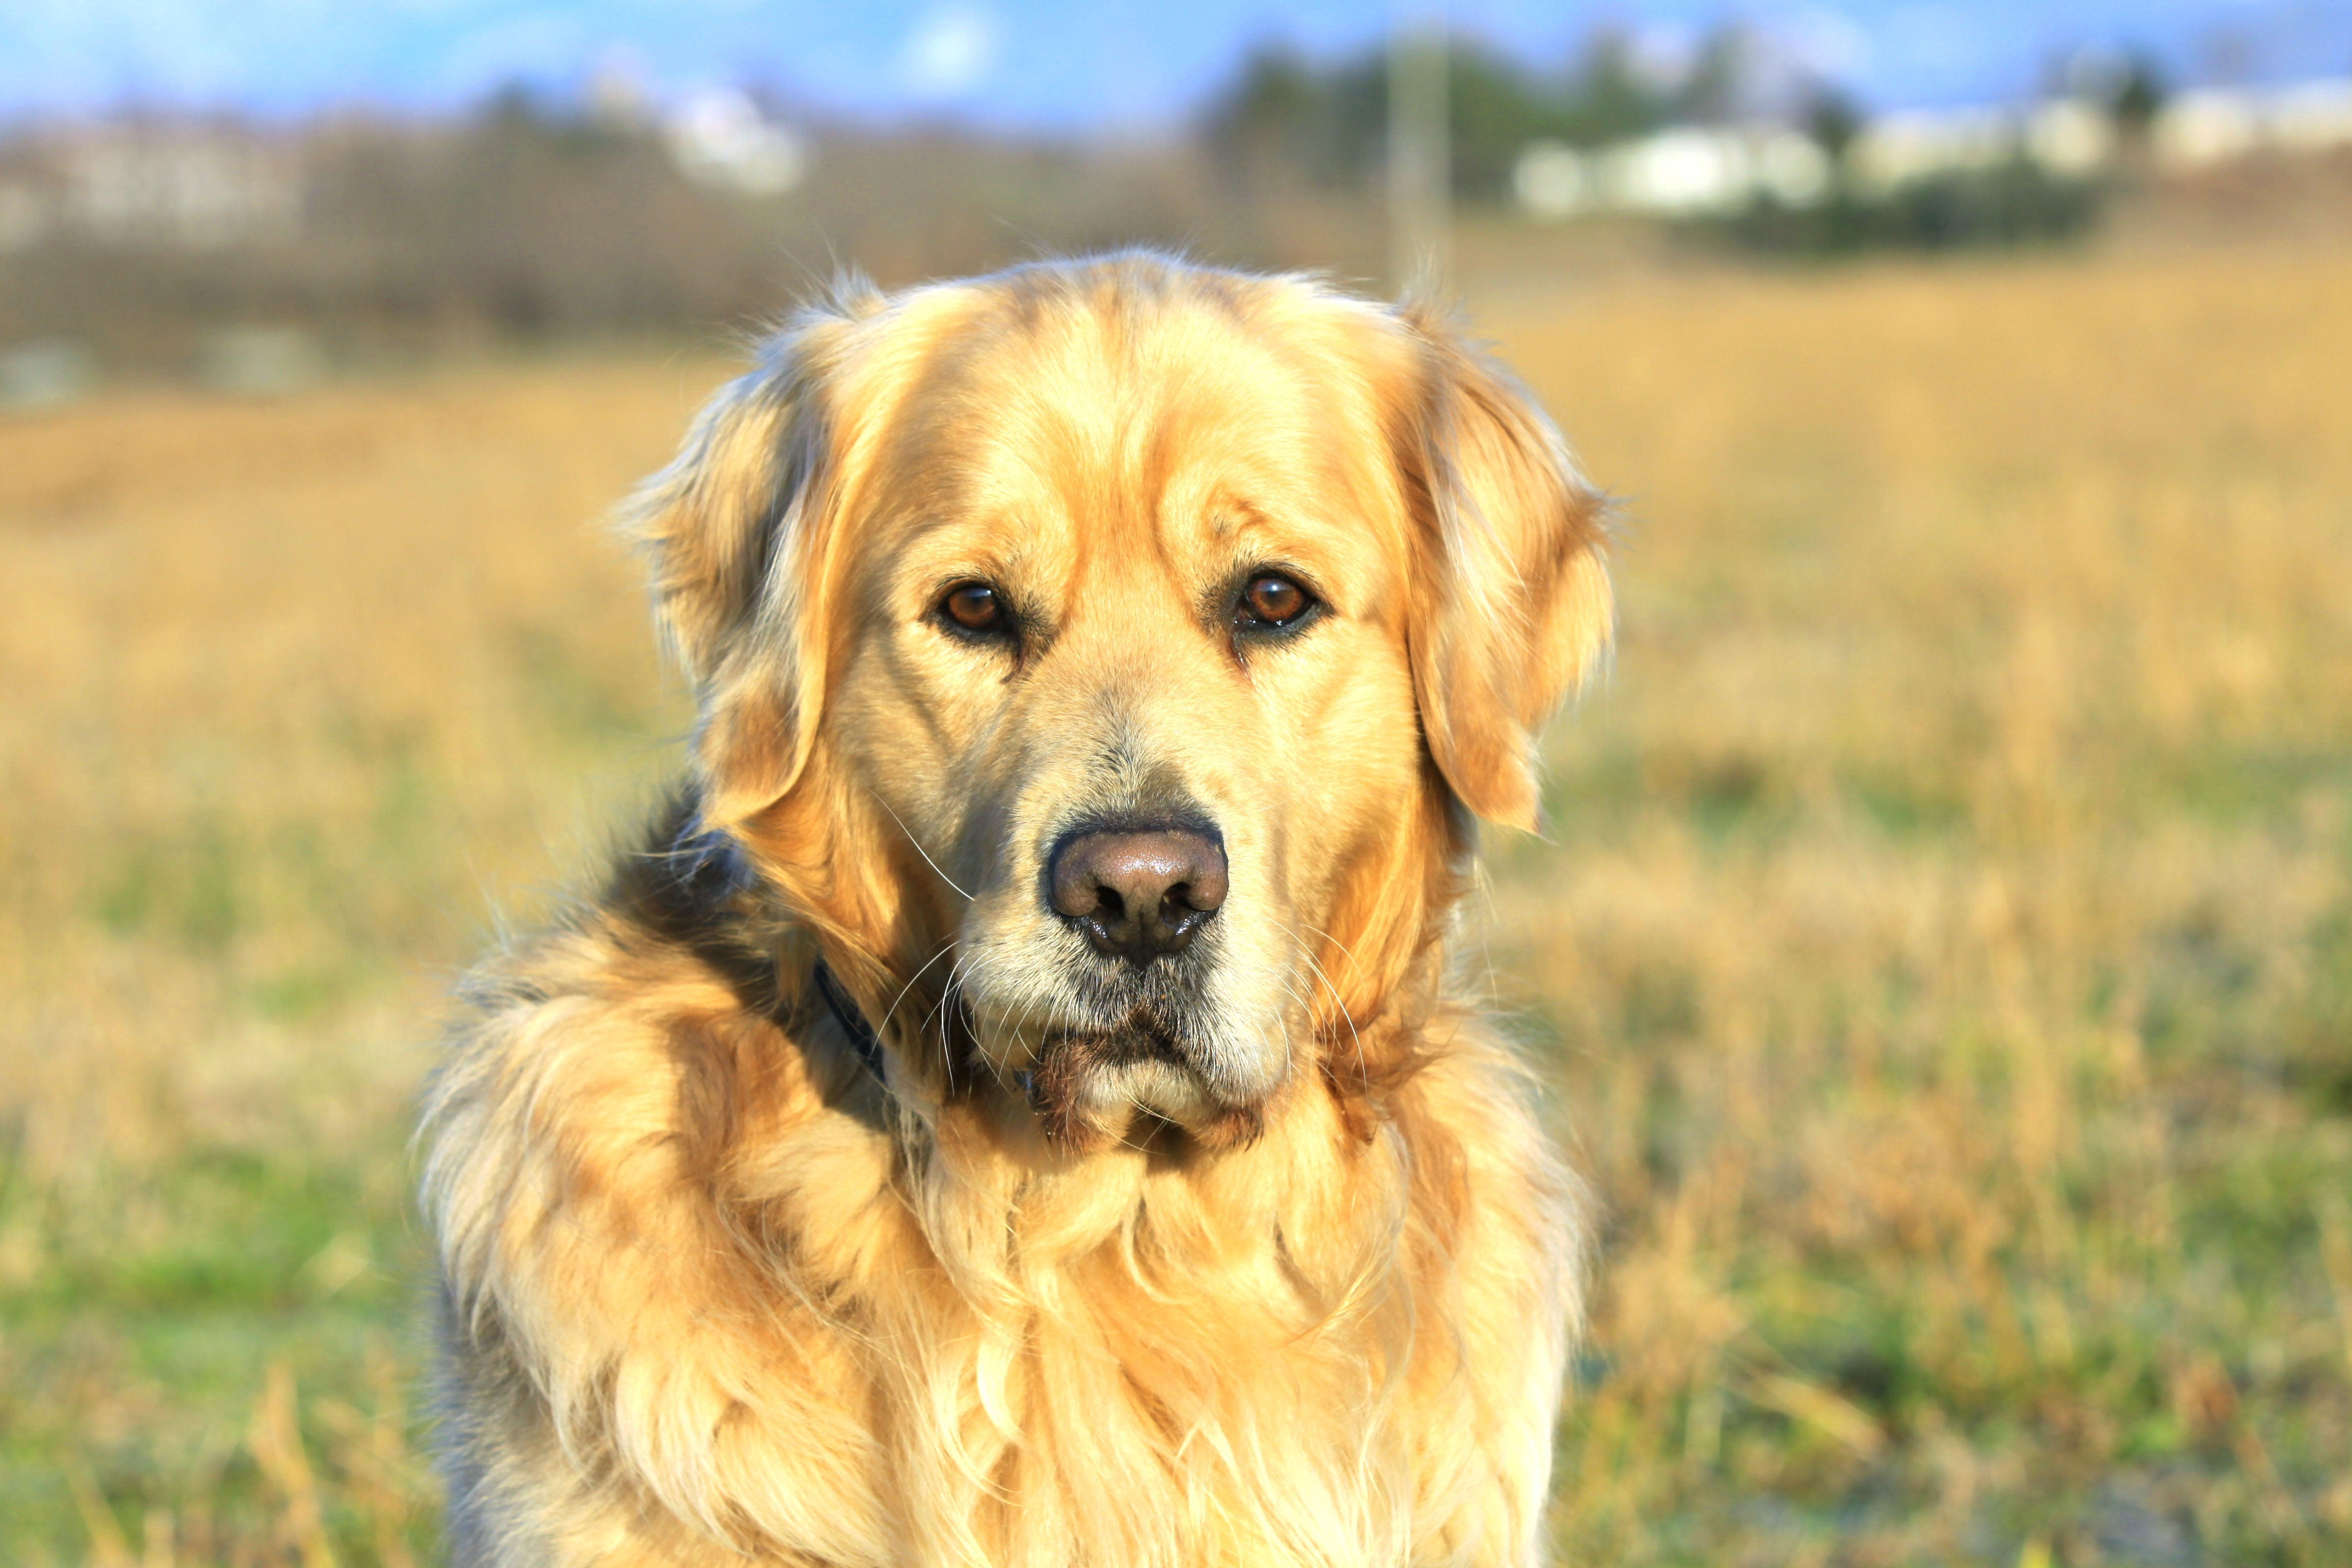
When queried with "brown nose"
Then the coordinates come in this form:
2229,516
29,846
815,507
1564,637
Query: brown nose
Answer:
1136,895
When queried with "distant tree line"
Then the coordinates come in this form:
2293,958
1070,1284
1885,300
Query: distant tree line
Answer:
538,217
532,219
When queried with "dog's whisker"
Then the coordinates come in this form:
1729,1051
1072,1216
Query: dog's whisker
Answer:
917,843
950,998
947,946
1363,1066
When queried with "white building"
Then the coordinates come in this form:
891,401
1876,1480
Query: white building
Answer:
720,138
1685,172
174,185
2219,125
1694,172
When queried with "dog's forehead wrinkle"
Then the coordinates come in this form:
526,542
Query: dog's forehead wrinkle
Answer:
1142,471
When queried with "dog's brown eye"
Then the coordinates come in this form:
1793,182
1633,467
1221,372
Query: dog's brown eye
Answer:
975,607
1273,600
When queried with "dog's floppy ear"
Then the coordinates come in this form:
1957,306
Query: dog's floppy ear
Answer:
1511,603
734,529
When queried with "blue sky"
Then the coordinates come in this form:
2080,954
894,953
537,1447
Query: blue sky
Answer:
1042,64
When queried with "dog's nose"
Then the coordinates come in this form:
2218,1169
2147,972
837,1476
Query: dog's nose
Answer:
1136,895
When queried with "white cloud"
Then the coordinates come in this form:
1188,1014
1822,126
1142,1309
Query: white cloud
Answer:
949,51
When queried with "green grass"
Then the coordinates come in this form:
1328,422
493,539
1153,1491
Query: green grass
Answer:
145,1318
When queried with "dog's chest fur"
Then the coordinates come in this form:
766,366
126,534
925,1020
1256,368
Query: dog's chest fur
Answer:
703,1297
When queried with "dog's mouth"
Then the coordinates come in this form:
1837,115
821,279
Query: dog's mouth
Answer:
1091,1087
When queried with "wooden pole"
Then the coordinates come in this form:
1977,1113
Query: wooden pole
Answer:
1420,175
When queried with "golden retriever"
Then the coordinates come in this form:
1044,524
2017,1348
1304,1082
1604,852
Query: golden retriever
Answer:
1018,1105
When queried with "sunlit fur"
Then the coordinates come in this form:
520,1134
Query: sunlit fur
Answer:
1302,1292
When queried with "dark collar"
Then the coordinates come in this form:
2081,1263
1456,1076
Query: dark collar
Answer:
862,1037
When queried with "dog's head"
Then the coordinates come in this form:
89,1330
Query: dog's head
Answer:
1100,658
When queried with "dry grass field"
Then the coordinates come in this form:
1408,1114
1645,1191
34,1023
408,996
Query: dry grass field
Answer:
1942,950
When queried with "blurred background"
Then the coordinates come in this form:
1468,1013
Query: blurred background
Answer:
1942,948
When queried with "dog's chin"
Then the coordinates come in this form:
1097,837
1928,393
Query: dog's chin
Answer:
1124,1085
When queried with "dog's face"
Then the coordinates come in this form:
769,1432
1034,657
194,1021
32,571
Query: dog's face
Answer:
1133,671
1095,654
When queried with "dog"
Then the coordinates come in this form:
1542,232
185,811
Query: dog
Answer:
1016,1103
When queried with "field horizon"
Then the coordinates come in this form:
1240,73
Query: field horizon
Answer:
1940,949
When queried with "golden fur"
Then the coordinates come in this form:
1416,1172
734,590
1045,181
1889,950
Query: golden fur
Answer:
1301,1291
